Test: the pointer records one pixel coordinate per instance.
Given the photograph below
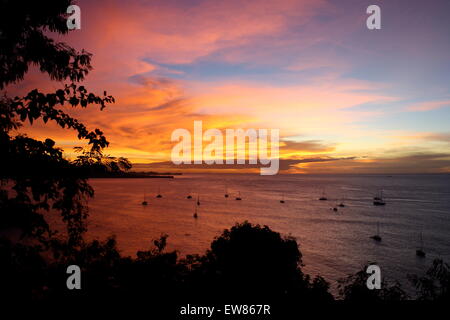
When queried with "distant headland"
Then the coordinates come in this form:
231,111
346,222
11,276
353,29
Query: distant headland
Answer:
135,174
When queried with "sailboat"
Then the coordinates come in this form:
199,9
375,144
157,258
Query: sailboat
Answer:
419,251
341,204
239,196
159,193
226,193
144,203
189,195
377,237
282,198
198,200
195,213
378,200
323,197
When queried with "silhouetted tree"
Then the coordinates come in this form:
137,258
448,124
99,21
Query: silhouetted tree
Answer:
24,25
435,285
354,288
36,180
252,261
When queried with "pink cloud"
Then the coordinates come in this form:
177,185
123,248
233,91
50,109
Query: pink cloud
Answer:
431,105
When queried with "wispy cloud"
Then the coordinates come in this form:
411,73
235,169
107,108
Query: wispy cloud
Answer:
431,105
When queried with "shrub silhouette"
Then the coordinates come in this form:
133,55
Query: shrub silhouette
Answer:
247,262
252,261
435,284
353,288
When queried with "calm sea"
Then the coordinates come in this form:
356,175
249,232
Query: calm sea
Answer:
333,244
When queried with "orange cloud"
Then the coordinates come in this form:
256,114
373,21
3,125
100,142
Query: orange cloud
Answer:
298,109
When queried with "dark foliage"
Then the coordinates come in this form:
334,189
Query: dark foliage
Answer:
23,41
36,180
435,285
260,263
354,289
271,272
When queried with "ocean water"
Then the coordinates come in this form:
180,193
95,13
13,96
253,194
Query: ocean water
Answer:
333,244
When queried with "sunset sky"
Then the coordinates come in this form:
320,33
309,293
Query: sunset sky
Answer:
345,98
